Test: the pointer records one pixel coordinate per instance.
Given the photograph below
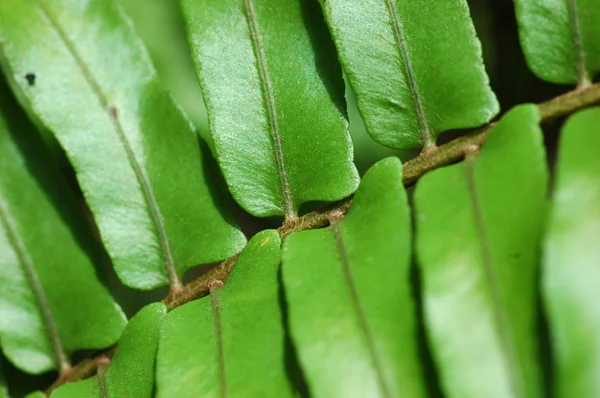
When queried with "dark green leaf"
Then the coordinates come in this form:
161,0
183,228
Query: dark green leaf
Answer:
275,99
572,256
131,371
232,342
137,159
415,65
51,301
3,388
350,305
561,38
478,234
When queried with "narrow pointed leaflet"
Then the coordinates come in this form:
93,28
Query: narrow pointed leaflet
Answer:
51,300
479,277
232,342
137,159
351,312
275,99
561,38
416,67
571,258
130,373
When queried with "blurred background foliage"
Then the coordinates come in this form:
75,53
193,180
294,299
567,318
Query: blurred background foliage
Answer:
160,25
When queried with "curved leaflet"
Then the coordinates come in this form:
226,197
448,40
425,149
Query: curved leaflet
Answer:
571,277
275,100
47,258
479,277
137,159
350,306
561,38
416,67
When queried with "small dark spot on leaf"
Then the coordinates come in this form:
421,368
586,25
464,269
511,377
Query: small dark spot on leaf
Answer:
30,78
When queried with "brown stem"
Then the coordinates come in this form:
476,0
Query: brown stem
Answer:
431,159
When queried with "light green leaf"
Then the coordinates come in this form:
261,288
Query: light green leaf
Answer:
560,38
571,258
36,394
131,371
478,234
275,99
349,299
415,65
137,159
232,342
51,300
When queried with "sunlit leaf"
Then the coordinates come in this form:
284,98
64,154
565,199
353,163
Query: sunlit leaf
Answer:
51,301
275,100
350,305
415,65
232,342
479,225
561,38
131,371
572,258
79,68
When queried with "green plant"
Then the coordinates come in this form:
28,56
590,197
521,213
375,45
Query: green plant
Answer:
361,289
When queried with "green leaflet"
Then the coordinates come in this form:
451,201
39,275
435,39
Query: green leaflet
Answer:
275,100
137,159
479,276
571,258
349,299
51,301
415,65
131,371
232,342
561,38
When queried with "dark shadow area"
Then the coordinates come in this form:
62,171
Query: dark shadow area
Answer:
20,384
43,168
546,354
323,47
292,366
430,376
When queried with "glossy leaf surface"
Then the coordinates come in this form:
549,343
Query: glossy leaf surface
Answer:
232,342
572,256
478,235
349,299
51,301
560,38
275,100
80,69
415,65
131,370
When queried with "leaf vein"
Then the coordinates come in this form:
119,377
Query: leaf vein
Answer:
506,339
267,92
583,76
36,286
400,38
358,309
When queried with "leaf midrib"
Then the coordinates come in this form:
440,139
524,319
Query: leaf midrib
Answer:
60,356
111,112
267,93
582,72
511,362
427,137
358,309
216,310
